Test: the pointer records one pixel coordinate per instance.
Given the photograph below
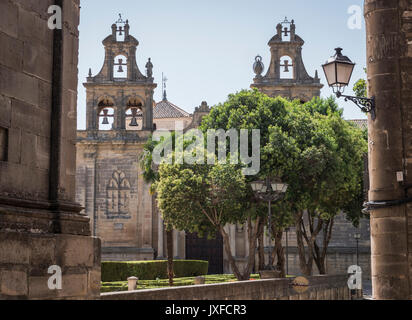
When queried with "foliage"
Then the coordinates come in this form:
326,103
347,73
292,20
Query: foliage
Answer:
150,270
308,146
360,88
162,283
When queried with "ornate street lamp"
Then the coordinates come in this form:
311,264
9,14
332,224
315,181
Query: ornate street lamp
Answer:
338,71
269,191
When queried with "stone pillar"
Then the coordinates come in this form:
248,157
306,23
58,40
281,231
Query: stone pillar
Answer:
389,56
40,224
148,110
132,283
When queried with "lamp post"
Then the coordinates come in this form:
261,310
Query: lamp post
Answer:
269,191
338,71
357,237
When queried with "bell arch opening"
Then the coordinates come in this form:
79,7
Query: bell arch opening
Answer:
120,67
134,114
287,68
106,115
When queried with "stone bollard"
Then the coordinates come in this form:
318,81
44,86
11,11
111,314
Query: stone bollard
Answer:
200,280
132,283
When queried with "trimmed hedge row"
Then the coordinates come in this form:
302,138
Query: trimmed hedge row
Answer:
150,270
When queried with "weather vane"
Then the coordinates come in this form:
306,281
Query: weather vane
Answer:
120,20
164,80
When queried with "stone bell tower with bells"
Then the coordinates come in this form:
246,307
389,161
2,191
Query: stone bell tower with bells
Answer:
120,97
287,75
109,180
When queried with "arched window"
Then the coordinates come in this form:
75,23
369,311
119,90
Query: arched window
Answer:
106,114
134,114
286,68
120,67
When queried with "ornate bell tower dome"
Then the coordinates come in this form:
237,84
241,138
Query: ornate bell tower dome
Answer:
120,97
287,75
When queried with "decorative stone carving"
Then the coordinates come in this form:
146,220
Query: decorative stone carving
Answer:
118,196
149,68
258,66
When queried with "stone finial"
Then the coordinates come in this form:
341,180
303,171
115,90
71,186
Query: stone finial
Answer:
292,30
132,283
114,30
126,29
279,30
90,72
316,75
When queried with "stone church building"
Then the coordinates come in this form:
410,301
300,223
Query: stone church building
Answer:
121,114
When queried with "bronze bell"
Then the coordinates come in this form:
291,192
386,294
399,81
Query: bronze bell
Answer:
120,65
120,29
133,123
105,119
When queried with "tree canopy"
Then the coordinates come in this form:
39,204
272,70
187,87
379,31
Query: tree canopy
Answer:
309,146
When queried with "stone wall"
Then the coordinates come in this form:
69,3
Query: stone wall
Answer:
320,288
40,224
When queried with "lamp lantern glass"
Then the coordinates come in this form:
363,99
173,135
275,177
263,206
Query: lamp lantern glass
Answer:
258,186
338,71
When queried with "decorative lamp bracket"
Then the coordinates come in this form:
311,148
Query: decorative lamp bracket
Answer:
366,105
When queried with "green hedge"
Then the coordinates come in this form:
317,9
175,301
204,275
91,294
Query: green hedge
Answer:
150,270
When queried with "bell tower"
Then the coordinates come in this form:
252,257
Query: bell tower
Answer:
120,97
287,75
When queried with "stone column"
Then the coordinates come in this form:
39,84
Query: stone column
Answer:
389,56
40,224
148,110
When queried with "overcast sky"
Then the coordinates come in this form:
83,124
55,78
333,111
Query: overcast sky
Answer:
207,48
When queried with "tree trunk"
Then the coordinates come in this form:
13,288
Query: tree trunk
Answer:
252,231
169,244
305,255
279,251
261,246
320,255
232,262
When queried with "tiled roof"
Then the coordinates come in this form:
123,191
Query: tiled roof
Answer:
165,109
360,123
